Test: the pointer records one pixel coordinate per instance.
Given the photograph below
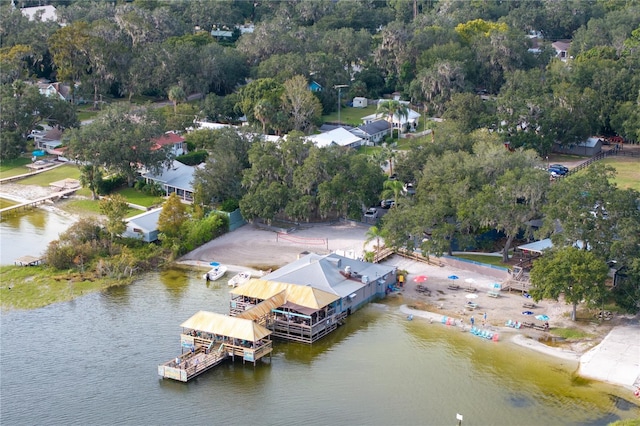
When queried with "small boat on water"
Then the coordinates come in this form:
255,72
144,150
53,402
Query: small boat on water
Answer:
216,272
240,279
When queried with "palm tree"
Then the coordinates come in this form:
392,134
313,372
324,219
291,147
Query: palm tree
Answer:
392,109
388,154
374,233
392,188
176,94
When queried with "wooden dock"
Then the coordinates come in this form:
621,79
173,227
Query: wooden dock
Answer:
28,261
32,203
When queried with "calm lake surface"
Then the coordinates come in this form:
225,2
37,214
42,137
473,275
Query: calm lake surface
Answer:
29,232
94,361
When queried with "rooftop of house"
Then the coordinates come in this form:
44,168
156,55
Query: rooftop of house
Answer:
169,138
328,273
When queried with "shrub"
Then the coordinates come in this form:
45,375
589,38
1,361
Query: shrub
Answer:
193,158
108,185
198,232
60,255
229,205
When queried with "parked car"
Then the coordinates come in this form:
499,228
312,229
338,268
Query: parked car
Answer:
556,171
560,166
386,204
371,213
409,189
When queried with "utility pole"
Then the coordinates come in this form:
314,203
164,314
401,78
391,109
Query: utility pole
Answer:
339,87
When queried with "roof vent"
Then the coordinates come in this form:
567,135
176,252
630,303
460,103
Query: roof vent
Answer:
365,279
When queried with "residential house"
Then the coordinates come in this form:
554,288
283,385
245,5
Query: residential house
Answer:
372,133
562,49
410,122
44,13
174,141
178,178
49,140
314,86
338,136
55,90
143,226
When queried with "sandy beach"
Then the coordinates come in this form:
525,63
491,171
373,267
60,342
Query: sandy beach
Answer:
259,250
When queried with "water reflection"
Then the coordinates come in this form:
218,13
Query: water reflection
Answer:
28,233
99,356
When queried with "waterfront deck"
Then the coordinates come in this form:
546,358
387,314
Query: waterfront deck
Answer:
209,338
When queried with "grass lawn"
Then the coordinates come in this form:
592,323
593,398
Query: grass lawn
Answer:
14,167
349,115
628,171
490,260
140,198
89,207
45,178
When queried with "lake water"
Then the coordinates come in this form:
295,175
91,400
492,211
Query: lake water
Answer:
28,233
94,361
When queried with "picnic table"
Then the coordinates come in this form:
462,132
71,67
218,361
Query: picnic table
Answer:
529,305
453,287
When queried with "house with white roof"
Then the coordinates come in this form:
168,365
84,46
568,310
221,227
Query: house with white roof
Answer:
44,13
338,136
409,122
178,178
143,226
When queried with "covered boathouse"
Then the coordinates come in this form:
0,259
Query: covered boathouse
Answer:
209,338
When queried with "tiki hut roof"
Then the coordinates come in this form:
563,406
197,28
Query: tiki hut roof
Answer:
223,325
302,295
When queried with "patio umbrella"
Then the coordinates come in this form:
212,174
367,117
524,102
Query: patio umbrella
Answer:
542,317
453,277
527,313
471,296
469,280
420,279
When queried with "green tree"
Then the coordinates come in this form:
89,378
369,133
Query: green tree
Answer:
584,205
220,178
172,217
507,205
120,140
115,208
299,103
577,274
21,109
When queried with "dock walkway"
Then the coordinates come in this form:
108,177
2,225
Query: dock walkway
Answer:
33,203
